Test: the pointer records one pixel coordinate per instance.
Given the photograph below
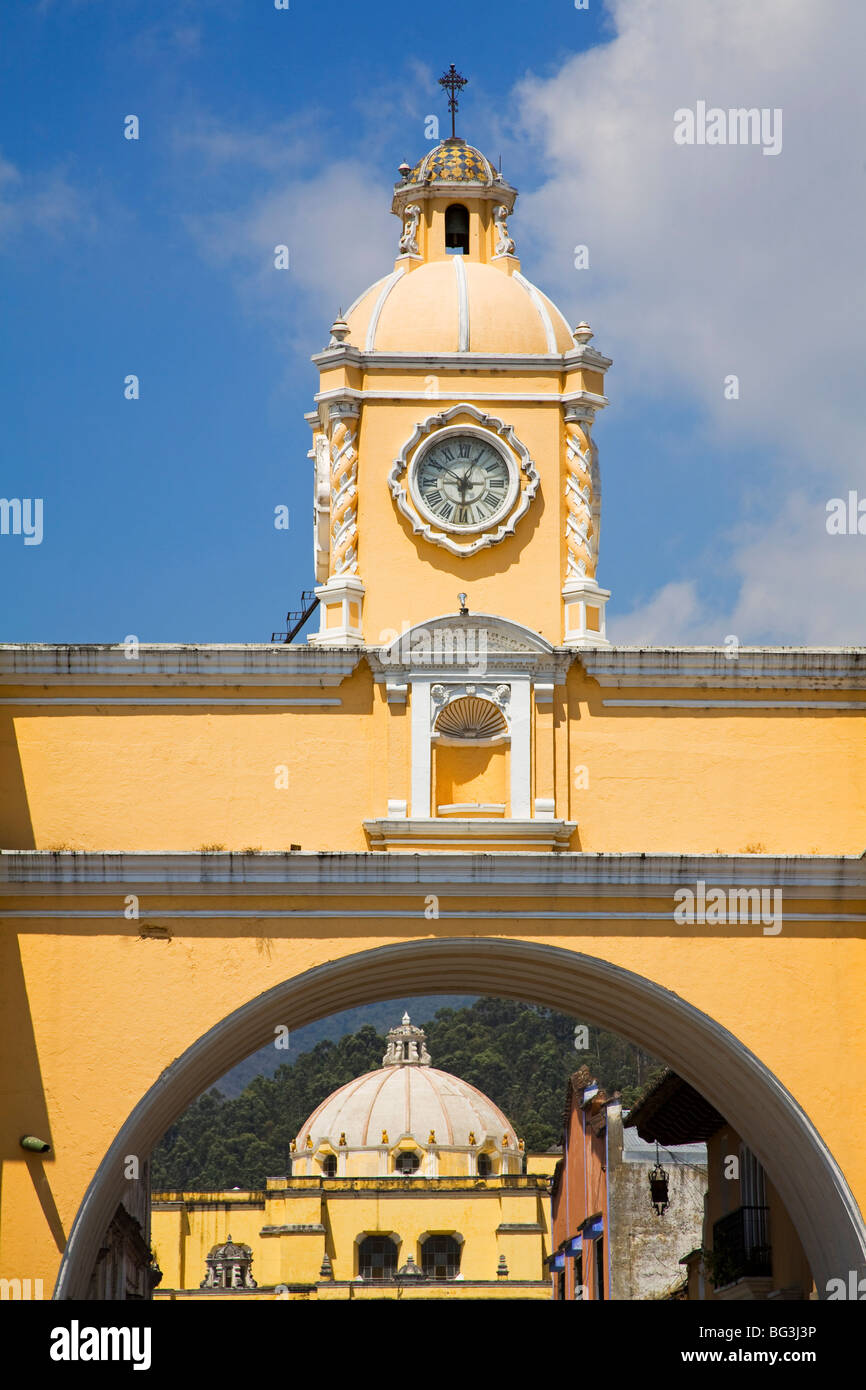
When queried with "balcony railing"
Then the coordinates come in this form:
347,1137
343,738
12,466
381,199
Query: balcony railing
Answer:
741,1246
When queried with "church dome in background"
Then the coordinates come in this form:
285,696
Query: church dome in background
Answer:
406,1111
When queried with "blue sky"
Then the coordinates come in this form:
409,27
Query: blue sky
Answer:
260,126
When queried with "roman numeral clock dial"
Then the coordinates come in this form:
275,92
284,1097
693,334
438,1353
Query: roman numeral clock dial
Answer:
463,486
463,482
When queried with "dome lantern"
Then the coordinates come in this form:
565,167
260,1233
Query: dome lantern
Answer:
407,1046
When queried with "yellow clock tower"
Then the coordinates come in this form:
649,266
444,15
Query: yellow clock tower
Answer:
457,785
451,435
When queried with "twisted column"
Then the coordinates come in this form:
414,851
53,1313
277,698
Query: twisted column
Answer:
581,523
344,490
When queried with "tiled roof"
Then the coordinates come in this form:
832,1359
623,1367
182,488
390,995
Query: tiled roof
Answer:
673,1112
453,161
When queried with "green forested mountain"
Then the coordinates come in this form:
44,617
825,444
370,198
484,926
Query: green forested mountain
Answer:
381,1016
520,1055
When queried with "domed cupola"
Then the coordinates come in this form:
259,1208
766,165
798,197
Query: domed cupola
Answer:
454,416
407,1046
407,1118
453,161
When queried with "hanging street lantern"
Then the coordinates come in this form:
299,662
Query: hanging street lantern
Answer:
658,1181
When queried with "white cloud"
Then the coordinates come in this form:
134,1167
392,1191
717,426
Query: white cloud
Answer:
716,259
286,144
340,236
674,615
796,584
284,184
710,260
39,203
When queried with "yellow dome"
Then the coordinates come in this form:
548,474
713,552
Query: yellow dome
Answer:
457,305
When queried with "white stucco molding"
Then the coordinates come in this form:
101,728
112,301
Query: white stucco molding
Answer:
286,873
470,831
348,354
759,668
510,647
389,360
590,399
175,664
452,646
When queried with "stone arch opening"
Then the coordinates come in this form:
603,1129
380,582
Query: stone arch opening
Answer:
457,229
705,1054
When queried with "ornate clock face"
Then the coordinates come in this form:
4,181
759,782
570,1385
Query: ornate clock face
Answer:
462,482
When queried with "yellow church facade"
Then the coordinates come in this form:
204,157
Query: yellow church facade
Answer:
457,783
406,1182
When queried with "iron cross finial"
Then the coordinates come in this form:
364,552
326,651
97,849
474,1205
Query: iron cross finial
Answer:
453,84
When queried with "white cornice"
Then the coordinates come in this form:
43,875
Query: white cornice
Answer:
755,668
268,665
304,874
743,706
175,664
187,702
401,394
588,357
349,355
532,397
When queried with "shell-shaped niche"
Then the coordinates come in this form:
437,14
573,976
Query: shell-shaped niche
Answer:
471,717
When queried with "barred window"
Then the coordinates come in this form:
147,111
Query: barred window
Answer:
377,1258
440,1257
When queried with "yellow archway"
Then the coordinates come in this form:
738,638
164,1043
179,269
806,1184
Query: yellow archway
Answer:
701,1050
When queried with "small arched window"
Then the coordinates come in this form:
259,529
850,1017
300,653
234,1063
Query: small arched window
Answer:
485,1167
408,1163
440,1257
329,1166
377,1258
457,229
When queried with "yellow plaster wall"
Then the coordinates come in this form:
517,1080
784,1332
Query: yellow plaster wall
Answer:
680,780
471,774
408,579
185,1227
704,780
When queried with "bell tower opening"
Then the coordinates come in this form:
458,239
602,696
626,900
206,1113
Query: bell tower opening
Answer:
457,229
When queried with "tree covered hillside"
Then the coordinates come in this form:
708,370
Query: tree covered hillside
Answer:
520,1055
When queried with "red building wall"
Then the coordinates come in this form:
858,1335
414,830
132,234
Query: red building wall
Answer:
580,1197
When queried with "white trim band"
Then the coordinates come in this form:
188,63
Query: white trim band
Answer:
158,700
744,704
